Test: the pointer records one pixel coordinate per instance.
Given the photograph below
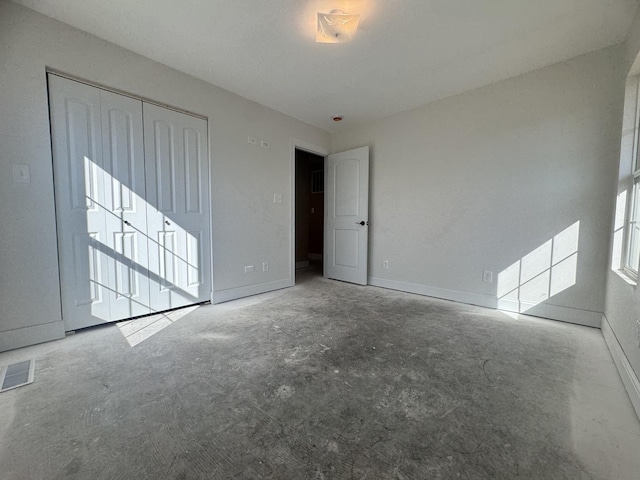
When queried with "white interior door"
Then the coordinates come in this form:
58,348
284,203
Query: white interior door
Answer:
178,207
80,202
346,233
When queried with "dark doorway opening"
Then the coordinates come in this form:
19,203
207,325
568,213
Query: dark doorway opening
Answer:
309,213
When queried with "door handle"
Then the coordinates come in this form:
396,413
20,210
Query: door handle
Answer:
167,222
126,222
363,223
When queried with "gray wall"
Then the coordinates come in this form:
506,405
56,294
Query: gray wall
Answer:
480,180
248,227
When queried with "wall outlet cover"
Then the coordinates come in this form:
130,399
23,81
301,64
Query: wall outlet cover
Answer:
21,174
487,276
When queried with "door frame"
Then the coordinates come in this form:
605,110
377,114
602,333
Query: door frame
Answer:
303,145
69,76
102,86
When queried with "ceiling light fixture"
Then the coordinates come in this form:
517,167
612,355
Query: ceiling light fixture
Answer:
336,27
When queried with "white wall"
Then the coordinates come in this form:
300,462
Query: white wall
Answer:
248,228
478,181
622,306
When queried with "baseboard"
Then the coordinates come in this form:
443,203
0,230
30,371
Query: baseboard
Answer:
302,264
586,318
241,292
23,337
480,299
544,310
629,377
315,256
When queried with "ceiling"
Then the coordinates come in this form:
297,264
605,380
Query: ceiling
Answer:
406,52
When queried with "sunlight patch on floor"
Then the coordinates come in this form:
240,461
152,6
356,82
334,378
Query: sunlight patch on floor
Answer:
513,315
139,330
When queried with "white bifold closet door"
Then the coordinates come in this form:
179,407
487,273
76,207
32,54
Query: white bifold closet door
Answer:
122,252
178,207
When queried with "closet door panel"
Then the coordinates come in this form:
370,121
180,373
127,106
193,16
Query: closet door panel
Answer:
195,206
162,163
178,218
80,200
125,202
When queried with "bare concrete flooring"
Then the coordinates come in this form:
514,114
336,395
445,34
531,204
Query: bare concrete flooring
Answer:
324,381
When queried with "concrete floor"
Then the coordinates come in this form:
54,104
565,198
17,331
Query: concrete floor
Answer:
324,381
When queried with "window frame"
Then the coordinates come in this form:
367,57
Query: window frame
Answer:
633,236
632,218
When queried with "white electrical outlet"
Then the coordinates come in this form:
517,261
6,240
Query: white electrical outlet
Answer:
252,140
265,266
487,276
249,269
385,264
21,174
277,198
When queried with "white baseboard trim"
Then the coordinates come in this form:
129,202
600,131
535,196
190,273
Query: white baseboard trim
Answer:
315,256
462,297
302,264
23,337
553,312
585,318
241,292
629,377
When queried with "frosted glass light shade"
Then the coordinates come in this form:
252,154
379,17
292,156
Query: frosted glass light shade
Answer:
336,27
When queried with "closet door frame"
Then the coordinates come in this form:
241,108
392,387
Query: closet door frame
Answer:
207,247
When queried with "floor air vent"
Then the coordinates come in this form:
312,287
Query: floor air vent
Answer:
16,375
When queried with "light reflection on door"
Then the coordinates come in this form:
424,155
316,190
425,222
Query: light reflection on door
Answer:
175,271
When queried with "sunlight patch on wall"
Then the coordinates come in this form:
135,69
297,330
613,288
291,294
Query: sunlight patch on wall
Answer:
544,272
